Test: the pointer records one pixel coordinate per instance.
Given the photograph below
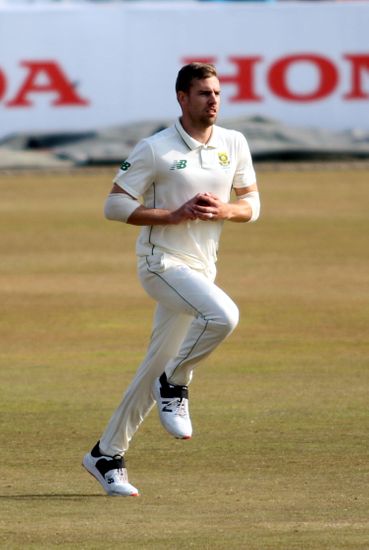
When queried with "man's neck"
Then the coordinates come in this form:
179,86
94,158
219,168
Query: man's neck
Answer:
201,134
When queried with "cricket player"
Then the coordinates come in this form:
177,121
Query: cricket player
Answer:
177,185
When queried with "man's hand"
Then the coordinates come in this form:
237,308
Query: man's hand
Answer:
209,207
185,212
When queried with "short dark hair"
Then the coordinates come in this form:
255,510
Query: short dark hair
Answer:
195,70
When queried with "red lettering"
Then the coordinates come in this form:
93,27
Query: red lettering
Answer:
359,63
188,60
244,79
328,77
2,84
48,77
55,81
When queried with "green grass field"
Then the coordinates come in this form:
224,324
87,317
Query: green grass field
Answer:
280,455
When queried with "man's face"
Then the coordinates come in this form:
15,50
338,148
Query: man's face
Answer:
201,103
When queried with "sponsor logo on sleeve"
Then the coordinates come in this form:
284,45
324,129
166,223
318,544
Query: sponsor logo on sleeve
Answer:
125,165
178,165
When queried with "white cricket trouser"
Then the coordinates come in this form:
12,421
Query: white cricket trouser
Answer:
192,317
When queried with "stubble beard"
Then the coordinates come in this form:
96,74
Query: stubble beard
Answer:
206,121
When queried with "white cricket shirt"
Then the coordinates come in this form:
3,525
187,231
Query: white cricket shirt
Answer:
169,168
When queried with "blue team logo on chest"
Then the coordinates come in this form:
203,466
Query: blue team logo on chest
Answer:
178,164
224,159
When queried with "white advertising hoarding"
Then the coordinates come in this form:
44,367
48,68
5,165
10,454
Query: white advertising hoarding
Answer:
87,66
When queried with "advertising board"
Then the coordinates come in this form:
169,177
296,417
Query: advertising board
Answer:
80,67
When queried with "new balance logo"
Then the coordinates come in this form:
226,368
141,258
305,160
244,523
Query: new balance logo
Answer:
125,165
178,165
167,405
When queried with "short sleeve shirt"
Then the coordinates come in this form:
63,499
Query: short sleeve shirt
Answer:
169,168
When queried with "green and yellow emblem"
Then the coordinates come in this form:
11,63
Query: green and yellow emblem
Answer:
223,159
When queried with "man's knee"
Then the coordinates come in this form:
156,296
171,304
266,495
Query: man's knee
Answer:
232,318
226,320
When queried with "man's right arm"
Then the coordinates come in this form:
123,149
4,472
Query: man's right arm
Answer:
120,206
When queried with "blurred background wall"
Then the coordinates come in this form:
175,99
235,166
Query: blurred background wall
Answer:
79,66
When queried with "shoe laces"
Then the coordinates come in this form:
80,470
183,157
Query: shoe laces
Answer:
122,475
181,409
121,471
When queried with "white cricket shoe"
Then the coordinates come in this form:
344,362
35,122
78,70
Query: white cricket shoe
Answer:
110,471
173,410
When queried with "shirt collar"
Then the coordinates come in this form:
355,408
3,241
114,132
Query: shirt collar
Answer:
193,143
